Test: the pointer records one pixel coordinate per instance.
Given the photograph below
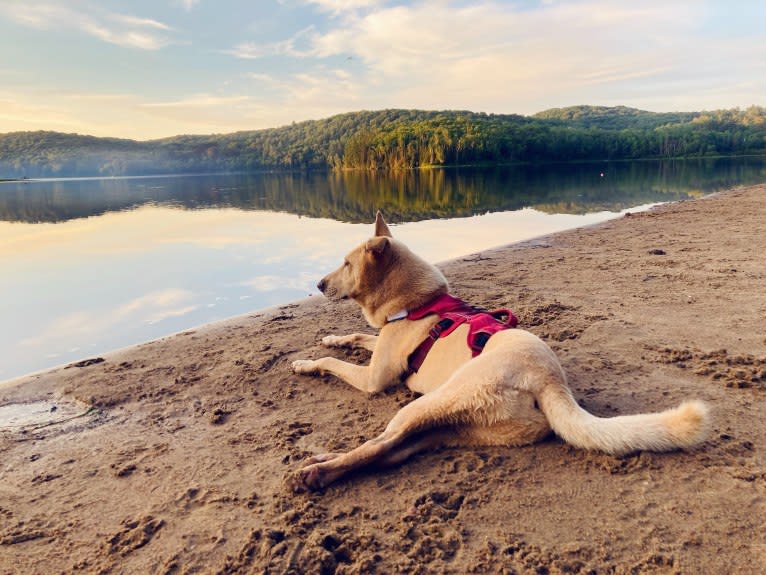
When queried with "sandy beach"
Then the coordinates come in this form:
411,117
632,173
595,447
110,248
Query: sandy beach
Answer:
175,456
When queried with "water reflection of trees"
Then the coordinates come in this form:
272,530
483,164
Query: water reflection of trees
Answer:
404,195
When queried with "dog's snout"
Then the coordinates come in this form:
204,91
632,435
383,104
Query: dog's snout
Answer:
322,285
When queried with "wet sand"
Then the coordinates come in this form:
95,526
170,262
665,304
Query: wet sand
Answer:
174,456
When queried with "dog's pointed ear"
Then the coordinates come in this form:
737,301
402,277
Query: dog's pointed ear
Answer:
376,246
381,229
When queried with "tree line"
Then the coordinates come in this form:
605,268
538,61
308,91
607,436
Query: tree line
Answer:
398,139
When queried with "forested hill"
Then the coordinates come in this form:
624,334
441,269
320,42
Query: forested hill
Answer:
398,139
616,118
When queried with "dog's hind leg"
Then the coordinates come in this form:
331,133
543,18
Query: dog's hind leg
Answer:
354,340
514,433
328,467
410,419
454,403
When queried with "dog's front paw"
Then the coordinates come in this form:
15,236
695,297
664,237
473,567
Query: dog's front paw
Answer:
305,366
334,341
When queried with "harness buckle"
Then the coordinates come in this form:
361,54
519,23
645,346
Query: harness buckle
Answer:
439,327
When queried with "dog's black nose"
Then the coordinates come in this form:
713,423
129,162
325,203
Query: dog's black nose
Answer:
322,285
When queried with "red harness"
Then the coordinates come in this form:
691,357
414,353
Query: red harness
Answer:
454,312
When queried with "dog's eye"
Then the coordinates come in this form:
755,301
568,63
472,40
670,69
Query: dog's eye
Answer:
346,263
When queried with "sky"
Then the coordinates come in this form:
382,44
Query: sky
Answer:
148,69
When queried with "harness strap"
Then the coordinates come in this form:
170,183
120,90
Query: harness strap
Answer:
453,313
417,357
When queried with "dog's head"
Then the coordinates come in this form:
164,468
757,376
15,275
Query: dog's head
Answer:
384,277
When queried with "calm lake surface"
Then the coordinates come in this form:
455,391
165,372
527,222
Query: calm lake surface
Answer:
93,265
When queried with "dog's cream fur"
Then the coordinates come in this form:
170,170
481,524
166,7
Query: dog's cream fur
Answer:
514,393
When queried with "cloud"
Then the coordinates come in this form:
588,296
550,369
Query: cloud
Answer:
435,53
188,5
209,113
125,38
149,308
171,313
507,57
120,29
341,6
140,22
133,115
126,114
322,88
248,51
305,281
620,73
200,101
19,112
157,299
288,47
42,16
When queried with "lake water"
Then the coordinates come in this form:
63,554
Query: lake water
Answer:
97,264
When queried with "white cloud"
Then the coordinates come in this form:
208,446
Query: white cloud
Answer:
436,53
265,78
18,113
318,92
322,88
200,101
112,27
248,51
171,313
497,57
140,22
619,73
341,6
117,114
188,5
288,47
209,113
158,299
304,281
133,115
39,15
124,38
78,326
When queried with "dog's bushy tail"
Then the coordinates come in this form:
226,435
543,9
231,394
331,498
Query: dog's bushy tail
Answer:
679,428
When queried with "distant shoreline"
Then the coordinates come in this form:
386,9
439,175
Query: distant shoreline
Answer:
427,167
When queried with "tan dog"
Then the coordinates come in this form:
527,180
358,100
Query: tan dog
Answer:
514,393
